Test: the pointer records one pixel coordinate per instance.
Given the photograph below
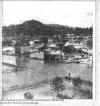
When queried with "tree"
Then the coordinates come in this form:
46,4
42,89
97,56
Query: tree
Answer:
77,81
28,95
57,85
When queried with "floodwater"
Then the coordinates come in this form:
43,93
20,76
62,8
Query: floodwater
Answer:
36,70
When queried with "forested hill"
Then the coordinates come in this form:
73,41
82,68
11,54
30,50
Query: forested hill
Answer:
35,28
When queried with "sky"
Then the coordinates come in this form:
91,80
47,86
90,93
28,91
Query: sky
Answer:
69,13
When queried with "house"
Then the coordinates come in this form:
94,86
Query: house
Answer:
20,48
50,41
54,55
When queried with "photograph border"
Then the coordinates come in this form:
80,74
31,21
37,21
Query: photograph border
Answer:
94,55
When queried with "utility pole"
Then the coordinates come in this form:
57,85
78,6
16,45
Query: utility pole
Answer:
17,48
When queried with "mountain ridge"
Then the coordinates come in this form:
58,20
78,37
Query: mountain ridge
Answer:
34,27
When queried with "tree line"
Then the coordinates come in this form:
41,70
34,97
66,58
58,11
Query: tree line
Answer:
34,28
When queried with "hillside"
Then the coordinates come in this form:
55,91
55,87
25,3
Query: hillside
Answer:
35,28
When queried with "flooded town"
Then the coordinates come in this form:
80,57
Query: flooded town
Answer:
46,61
32,61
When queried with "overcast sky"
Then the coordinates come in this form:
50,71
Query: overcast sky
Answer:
78,14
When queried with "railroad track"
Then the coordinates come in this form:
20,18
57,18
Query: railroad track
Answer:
27,87
12,65
5,53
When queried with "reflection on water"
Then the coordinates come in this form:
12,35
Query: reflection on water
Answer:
36,70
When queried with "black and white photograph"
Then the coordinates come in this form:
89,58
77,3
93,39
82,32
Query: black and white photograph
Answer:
47,50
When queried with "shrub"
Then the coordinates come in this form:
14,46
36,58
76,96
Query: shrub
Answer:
60,96
77,81
57,85
28,95
86,93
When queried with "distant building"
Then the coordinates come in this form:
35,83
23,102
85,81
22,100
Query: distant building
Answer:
67,44
20,48
52,46
50,41
24,49
54,55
